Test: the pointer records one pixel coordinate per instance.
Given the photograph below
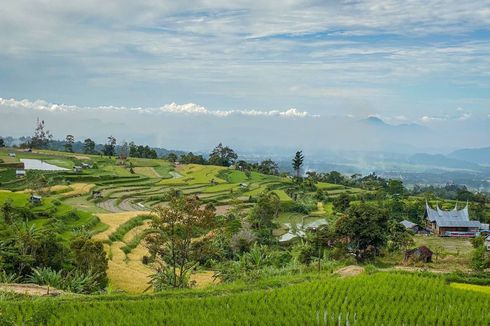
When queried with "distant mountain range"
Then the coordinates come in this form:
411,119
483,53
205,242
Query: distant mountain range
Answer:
476,155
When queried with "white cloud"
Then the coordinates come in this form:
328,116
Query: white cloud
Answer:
172,108
429,119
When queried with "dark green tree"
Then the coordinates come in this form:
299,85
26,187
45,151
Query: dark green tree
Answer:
222,156
175,246
88,146
263,214
110,146
171,157
89,256
395,187
190,158
41,136
2,142
69,141
268,167
8,211
298,163
364,229
341,203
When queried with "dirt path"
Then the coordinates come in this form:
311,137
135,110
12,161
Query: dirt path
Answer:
352,270
30,289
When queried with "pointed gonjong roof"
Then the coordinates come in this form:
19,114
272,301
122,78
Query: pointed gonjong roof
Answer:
456,217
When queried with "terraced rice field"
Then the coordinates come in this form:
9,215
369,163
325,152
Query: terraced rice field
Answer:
124,196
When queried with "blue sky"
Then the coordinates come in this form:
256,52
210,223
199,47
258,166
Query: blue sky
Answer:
424,62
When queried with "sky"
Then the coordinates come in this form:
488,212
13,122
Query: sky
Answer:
258,75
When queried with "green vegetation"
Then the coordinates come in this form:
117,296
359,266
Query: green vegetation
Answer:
126,222
400,299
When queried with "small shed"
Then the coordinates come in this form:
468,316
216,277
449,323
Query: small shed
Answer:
20,173
86,165
77,169
96,194
415,228
487,242
421,253
36,199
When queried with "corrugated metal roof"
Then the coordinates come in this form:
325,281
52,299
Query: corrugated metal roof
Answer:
408,224
454,218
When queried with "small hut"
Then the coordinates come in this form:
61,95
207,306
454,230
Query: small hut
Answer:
420,254
20,173
36,199
415,228
96,194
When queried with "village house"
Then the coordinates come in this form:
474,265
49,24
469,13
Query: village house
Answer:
77,169
453,223
20,173
300,230
35,199
415,228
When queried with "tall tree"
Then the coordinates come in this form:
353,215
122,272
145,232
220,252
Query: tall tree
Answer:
110,146
268,167
2,142
89,256
222,155
263,214
298,162
171,157
69,141
175,245
41,136
88,146
8,211
124,151
364,229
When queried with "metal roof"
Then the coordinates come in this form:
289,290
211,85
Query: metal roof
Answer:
453,218
408,224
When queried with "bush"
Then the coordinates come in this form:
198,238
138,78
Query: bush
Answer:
46,276
477,278
480,259
6,277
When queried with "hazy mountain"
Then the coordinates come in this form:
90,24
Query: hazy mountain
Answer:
476,155
440,160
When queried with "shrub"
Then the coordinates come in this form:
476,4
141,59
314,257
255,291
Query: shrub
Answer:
46,276
6,277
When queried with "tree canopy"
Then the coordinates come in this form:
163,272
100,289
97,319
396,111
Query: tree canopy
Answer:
222,155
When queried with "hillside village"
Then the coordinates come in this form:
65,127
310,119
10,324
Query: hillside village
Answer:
112,199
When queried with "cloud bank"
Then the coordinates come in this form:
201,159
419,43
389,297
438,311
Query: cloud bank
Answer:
194,127
188,108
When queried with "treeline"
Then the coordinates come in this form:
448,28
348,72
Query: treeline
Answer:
225,156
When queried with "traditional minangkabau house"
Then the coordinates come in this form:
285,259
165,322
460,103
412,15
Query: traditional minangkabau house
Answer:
453,223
